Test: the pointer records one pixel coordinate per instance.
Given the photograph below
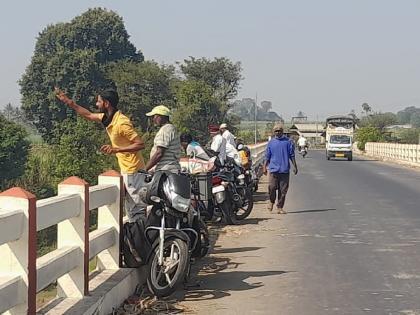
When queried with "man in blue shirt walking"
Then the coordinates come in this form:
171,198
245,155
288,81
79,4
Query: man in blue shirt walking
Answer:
280,151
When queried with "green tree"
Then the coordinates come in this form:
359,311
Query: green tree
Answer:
220,74
141,86
38,177
13,151
415,119
367,134
366,108
73,56
196,109
266,106
379,120
77,151
404,116
409,136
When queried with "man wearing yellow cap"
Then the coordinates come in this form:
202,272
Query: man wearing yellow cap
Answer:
125,143
166,150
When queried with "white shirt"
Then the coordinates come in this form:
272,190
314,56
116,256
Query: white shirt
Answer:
218,144
194,149
229,137
302,141
233,153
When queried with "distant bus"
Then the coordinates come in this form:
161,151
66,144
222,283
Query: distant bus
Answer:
339,134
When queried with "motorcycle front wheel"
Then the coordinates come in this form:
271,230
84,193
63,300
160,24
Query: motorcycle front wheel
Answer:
164,280
203,244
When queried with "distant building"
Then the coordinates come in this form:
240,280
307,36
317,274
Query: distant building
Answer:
394,127
312,132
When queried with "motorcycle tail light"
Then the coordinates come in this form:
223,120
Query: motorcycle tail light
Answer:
216,181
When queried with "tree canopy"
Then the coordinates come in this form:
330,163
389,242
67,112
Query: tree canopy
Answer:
13,150
141,86
73,56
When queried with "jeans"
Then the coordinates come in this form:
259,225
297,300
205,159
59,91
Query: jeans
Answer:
134,206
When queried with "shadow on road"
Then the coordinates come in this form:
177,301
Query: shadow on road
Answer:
260,196
254,221
365,160
312,210
219,279
234,250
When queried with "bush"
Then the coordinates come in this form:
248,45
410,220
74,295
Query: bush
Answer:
13,151
367,134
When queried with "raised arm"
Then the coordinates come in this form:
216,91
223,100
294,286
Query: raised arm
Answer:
79,109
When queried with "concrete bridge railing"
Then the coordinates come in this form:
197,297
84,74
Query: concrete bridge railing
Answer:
22,274
258,152
407,153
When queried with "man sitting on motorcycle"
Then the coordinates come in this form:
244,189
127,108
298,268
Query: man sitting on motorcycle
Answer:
193,148
244,155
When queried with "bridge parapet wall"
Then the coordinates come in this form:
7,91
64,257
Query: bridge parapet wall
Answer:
23,274
403,153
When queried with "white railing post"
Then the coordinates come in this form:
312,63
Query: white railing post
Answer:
18,257
111,216
75,232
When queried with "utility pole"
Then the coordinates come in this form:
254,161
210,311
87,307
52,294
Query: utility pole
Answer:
255,118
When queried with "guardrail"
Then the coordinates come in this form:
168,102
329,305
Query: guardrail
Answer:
258,152
409,153
22,274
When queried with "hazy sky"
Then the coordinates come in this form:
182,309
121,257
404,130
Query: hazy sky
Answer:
322,57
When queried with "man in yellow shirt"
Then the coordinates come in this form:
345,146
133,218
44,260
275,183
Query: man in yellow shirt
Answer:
125,143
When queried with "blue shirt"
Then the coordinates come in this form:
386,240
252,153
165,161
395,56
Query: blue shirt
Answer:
278,153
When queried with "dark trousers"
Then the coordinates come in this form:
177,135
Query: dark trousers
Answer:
278,184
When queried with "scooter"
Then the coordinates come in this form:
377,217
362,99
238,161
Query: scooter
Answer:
303,150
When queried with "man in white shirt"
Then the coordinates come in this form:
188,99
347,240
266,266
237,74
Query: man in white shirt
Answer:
302,142
227,135
193,148
218,143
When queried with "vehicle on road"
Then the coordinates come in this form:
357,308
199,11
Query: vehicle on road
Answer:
339,134
303,150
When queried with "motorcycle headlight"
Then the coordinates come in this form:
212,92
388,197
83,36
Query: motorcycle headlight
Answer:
241,179
179,203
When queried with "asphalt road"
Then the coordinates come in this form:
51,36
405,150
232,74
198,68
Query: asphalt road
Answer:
350,244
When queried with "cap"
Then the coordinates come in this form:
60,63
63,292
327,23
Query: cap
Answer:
159,110
277,127
224,126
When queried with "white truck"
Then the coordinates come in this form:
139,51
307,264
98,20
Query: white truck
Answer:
339,133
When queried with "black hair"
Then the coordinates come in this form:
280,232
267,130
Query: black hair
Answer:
186,137
111,96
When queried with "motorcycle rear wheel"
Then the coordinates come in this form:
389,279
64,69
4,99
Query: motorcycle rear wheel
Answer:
203,244
229,215
244,211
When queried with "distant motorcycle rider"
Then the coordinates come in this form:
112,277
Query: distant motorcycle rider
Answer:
302,143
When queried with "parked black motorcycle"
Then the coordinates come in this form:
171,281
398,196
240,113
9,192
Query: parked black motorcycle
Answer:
169,230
